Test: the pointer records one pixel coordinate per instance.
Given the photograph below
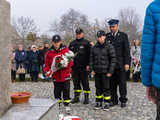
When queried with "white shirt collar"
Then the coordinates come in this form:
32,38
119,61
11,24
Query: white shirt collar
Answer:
115,33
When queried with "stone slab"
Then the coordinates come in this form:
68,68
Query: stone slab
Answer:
34,110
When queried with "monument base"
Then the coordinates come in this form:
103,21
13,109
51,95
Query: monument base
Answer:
5,39
36,109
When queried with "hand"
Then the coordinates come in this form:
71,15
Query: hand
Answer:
151,94
49,74
108,74
87,68
126,67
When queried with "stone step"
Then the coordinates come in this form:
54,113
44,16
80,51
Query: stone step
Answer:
35,109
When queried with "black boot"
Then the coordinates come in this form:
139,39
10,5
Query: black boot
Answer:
123,105
86,99
106,106
98,105
76,98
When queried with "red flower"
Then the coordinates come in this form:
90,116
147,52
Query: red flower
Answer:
58,60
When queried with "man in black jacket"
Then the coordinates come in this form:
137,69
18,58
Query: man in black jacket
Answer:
81,48
120,42
102,63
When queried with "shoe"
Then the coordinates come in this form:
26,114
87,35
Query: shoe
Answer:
112,104
123,105
86,99
106,106
75,100
98,105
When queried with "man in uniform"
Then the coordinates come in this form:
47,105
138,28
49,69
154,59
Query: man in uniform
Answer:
120,42
81,47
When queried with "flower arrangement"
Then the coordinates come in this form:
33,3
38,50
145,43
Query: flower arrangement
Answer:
60,62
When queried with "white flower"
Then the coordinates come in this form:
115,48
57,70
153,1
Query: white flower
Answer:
66,58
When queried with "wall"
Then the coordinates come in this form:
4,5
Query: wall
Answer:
5,33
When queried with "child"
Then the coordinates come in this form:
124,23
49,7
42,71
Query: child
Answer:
102,63
61,77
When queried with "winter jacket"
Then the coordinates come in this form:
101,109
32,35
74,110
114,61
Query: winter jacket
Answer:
81,49
63,74
150,46
20,57
103,58
34,62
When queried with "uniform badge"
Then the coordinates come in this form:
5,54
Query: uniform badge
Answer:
81,47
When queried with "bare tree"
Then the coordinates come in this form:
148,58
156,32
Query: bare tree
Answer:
130,22
24,25
68,23
55,27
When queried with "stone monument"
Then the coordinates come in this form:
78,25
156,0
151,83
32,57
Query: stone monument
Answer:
5,38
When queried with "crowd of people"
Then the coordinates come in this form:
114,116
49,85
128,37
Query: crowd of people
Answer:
30,61
108,61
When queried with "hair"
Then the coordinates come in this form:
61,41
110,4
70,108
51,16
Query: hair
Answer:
34,46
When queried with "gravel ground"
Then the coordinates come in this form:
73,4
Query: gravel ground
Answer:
138,108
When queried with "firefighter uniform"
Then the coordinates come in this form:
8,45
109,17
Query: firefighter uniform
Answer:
81,48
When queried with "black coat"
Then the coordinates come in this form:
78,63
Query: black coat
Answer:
34,61
41,57
81,48
103,58
21,58
45,50
121,45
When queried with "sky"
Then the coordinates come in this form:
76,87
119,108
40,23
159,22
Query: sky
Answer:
45,11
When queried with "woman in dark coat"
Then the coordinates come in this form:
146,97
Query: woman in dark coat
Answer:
20,58
34,63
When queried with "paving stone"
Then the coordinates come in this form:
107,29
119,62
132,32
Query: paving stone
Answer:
138,107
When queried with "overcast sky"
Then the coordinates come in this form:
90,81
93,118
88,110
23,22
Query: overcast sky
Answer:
45,11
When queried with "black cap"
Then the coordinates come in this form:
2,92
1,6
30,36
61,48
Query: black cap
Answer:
113,22
101,33
79,31
56,38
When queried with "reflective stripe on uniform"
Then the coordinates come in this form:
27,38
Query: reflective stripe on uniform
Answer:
78,91
67,101
107,98
99,97
60,101
87,92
